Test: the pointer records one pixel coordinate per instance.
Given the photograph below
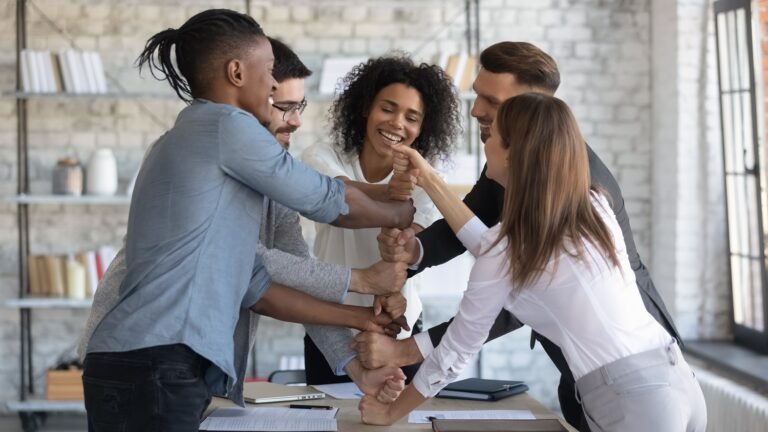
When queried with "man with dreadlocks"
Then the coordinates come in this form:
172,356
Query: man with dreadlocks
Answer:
158,355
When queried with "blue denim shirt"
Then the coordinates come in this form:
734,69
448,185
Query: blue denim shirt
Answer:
192,267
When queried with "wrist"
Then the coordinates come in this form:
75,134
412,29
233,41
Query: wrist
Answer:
412,251
358,281
353,370
361,316
407,351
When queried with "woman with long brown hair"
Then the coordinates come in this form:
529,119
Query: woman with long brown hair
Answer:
558,262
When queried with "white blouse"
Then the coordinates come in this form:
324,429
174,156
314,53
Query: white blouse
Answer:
591,309
359,248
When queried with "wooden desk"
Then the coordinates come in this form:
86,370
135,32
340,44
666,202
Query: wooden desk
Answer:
348,417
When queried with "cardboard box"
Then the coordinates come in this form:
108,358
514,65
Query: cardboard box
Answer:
64,384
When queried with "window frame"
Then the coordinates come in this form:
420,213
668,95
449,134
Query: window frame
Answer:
747,336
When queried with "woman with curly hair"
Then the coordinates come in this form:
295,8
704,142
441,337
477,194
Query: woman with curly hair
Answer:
383,102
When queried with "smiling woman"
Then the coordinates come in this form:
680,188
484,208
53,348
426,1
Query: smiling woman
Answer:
384,102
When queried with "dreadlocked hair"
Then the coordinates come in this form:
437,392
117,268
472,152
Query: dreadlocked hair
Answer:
199,46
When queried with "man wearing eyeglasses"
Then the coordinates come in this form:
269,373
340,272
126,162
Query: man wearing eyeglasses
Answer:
286,255
288,102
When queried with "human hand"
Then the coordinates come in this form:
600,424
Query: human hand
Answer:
401,185
387,381
375,350
394,305
383,278
408,159
383,323
398,245
374,412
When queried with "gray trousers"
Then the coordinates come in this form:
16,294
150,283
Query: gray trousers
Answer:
650,391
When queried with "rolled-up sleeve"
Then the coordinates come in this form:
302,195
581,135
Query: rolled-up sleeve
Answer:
258,285
471,235
250,155
488,290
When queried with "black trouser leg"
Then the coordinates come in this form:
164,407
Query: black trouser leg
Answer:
152,389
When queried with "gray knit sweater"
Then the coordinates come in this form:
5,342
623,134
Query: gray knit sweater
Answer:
286,257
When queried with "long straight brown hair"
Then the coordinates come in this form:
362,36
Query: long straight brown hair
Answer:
547,196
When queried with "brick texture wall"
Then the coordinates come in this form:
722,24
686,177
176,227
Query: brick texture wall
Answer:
603,50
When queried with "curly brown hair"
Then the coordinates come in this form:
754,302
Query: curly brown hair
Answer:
440,126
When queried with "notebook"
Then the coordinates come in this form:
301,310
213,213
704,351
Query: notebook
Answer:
266,392
538,425
482,389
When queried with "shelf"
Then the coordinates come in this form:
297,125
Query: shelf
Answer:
48,303
46,405
314,96
110,95
67,199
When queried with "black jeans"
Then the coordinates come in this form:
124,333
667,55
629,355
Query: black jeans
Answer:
157,389
319,372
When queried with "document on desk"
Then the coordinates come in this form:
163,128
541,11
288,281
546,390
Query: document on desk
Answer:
348,390
426,416
276,419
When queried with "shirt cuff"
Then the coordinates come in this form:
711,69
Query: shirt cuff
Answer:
471,235
415,266
424,342
342,365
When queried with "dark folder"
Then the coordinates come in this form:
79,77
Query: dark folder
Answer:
482,389
538,425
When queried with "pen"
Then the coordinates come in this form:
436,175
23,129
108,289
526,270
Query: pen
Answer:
324,407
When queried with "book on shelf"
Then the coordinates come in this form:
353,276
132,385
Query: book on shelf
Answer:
69,71
461,68
74,276
482,389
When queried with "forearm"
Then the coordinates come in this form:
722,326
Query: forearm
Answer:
409,400
376,192
407,352
455,212
333,342
365,212
309,275
287,304
505,323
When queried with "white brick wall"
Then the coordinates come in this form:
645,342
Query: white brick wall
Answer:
603,50
690,250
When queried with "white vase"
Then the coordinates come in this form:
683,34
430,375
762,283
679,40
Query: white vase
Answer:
101,174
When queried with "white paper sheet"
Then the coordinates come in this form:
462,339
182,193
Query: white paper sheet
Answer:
341,390
423,416
271,419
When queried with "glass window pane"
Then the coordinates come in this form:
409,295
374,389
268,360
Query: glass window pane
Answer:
725,77
736,289
728,144
733,52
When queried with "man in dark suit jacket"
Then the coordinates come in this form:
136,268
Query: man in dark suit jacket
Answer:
507,69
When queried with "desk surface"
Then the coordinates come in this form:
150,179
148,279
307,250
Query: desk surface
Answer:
348,417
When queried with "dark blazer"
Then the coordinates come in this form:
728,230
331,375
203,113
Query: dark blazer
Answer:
486,200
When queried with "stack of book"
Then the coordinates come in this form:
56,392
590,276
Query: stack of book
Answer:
68,71
74,276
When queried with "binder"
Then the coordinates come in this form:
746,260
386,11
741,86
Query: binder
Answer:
482,389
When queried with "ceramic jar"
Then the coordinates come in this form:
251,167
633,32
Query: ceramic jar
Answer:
101,173
68,177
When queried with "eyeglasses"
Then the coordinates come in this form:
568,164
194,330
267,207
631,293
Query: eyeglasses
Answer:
290,108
